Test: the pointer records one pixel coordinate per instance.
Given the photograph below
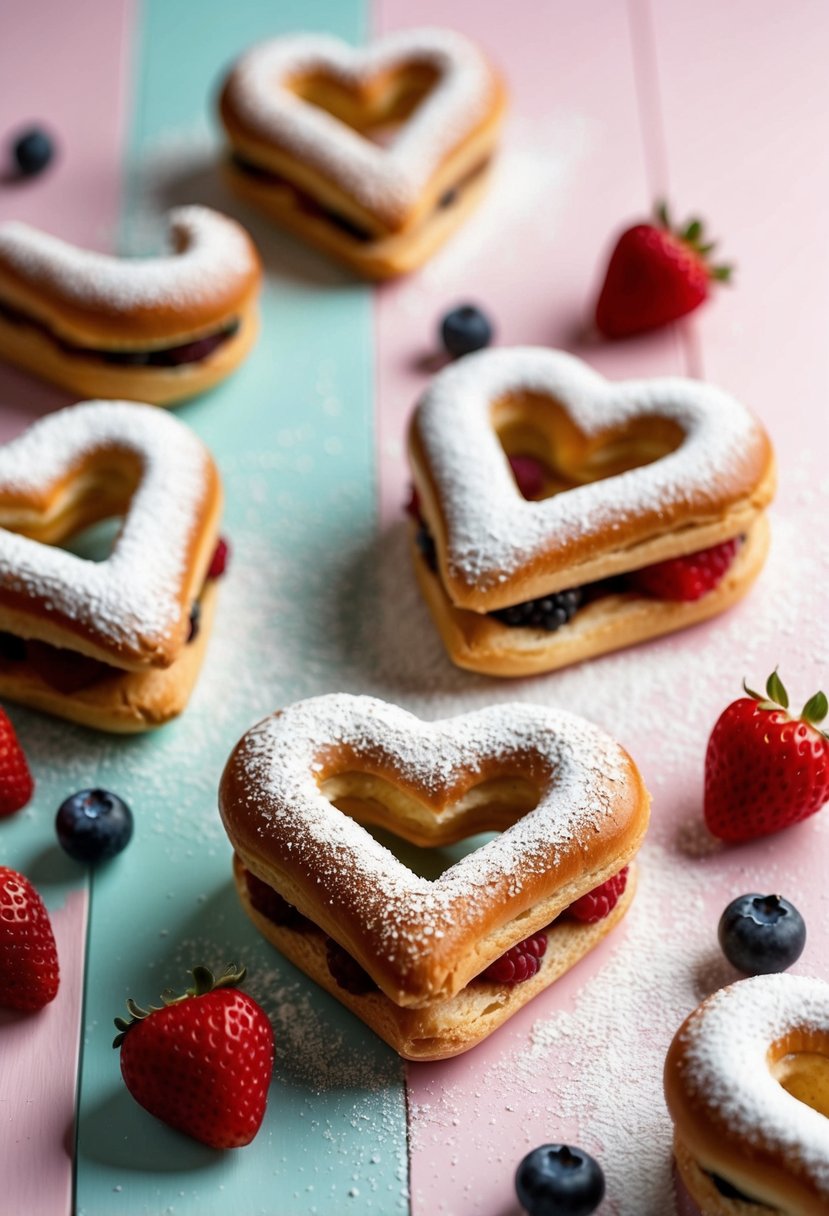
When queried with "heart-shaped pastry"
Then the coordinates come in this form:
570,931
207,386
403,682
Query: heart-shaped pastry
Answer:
148,329
300,112
637,474
568,802
76,627
747,1086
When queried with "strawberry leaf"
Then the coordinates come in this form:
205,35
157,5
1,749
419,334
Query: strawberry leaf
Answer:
663,215
776,691
815,709
722,273
693,231
757,696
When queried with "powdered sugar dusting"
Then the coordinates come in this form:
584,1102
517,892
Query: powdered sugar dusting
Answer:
386,180
491,530
726,1068
132,598
580,771
211,253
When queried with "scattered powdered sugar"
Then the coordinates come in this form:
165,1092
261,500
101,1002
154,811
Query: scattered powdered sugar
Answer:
211,254
492,530
580,772
132,598
386,180
725,1068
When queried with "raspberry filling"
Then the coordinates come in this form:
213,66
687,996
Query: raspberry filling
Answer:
179,355
518,964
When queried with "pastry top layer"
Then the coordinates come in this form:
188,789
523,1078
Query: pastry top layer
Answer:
729,1107
86,463
260,105
210,276
701,455
568,798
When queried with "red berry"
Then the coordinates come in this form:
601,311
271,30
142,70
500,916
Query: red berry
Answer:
600,902
29,972
686,578
529,475
16,782
655,276
520,963
412,507
219,560
765,769
203,1063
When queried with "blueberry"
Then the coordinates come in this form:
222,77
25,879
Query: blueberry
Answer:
464,330
555,1180
93,825
761,934
32,151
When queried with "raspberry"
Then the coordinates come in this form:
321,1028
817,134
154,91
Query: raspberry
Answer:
687,578
270,903
520,963
347,971
550,612
600,902
219,560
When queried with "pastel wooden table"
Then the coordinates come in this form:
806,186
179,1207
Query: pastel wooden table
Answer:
723,107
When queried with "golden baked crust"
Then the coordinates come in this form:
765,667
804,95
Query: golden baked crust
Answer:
747,1102
299,113
88,463
448,1027
482,643
85,320
569,802
643,471
702,1191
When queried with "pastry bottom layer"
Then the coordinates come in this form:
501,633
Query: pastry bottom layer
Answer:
479,642
125,702
36,351
447,1027
374,258
697,1193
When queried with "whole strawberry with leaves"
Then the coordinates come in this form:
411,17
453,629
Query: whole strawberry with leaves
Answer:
656,274
202,1062
765,768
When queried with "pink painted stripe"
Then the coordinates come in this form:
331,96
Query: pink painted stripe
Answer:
62,66
38,1067
573,169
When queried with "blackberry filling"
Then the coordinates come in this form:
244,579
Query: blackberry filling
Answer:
269,903
731,1192
549,613
347,971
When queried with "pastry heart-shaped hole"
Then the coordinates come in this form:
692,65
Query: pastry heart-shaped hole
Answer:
539,426
375,105
805,1075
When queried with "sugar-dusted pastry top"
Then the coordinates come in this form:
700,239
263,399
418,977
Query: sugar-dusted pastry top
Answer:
487,534
260,102
84,463
727,1103
569,799
210,275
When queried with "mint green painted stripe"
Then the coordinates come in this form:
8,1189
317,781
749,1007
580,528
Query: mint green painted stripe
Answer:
293,434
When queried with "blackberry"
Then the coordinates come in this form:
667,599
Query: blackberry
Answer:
426,545
347,971
269,903
550,612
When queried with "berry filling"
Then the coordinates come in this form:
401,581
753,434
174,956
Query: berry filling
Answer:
689,578
600,902
270,904
305,204
347,971
520,962
219,560
731,1192
185,353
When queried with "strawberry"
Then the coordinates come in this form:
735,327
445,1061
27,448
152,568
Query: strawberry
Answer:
29,972
765,769
654,276
16,783
600,902
202,1063
686,578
